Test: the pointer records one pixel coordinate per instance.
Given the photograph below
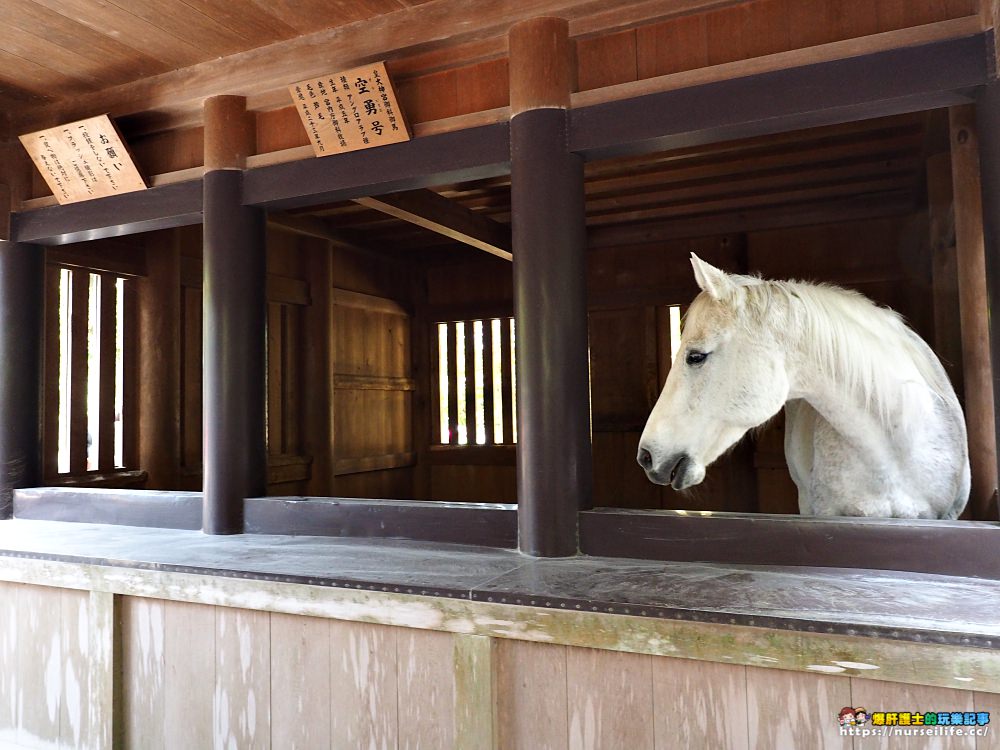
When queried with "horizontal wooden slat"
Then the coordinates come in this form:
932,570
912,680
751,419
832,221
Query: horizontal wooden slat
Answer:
373,383
346,298
473,455
287,291
374,463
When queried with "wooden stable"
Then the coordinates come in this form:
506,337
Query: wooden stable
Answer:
237,421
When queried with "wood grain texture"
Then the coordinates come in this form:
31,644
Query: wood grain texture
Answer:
300,681
426,689
189,642
532,710
363,680
475,701
610,699
699,705
795,709
143,672
974,306
241,705
876,695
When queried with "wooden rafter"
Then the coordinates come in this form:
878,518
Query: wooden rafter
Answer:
427,209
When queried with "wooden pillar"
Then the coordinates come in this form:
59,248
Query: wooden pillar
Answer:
22,295
974,310
987,112
234,314
554,473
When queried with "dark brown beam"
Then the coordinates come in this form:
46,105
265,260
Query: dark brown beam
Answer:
163,207
462,155
873,85
22,290
427,209
958,548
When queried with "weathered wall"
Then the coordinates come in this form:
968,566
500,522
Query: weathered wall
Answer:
196,675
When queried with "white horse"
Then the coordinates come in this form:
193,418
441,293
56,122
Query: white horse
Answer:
873,426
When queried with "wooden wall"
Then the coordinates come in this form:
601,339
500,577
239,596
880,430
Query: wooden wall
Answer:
339,385
197,675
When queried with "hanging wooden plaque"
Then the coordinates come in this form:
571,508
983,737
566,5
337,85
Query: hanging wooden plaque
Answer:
351,110
83,160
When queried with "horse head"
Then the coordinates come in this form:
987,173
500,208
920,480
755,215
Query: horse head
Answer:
729,376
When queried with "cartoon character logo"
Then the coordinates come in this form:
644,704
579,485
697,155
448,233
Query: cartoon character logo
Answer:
846,717
861,716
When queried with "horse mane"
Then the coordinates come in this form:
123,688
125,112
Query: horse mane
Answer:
849,337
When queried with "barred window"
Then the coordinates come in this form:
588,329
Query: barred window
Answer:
476,393
86,373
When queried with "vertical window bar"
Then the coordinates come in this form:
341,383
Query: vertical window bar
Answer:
471,401
107,361
462,428
513,380
93,370
119,406
507,369
442,362
496,370
487,423
80,306
65,309
452,329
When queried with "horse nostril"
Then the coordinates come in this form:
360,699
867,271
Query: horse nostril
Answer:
645,459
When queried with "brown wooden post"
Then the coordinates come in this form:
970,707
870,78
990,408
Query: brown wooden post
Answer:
554,472
974,307
22,295
234,314
988,121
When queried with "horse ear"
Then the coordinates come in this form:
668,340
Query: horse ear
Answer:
716,283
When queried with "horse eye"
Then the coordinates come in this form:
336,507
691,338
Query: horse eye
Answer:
695,358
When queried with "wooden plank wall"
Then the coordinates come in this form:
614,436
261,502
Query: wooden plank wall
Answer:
196,675
373,385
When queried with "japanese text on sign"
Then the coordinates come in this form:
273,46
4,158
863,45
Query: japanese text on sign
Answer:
351,110
83,160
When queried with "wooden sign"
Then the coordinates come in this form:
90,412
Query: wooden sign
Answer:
83,160
351,110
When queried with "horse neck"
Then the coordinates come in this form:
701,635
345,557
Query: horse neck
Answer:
870,426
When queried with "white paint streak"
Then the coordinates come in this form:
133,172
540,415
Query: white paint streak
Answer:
827,668
855,665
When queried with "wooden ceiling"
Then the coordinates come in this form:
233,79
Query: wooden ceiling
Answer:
53,49
853,171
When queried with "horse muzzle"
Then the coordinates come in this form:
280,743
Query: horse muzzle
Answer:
677,470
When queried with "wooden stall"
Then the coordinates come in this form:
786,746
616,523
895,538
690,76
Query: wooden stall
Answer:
340,450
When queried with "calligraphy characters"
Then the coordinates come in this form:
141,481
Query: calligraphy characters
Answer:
351,110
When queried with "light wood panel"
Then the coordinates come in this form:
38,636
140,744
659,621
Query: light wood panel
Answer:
189,648
364,685
699,705
300,681
876,695
426,689
532,711
610,699
241,703
795,709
